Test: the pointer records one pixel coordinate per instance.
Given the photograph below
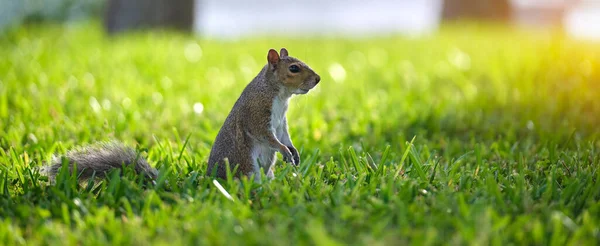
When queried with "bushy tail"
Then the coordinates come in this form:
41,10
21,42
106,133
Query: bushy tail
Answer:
98,159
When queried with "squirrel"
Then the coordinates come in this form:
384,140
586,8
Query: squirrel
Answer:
253,131
256,127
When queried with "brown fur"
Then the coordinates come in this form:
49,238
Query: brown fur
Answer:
249,126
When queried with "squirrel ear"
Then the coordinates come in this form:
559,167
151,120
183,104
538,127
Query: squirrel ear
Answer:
283,52
273,57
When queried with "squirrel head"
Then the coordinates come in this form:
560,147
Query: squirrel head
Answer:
291,73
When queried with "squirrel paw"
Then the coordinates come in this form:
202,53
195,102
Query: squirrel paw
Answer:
288,156
295,155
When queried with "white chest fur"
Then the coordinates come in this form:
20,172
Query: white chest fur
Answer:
280,104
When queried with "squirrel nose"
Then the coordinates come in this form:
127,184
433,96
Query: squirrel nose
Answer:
317,79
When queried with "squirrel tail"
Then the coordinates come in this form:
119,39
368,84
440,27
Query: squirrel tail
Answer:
98,159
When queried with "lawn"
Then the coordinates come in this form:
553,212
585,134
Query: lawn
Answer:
473,135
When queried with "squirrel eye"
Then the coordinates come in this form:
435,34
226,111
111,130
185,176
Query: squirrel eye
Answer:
294,69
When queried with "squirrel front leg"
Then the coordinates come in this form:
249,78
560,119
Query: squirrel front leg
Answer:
288,156
264,133
284,137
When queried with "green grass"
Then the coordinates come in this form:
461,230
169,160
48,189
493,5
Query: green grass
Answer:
469,136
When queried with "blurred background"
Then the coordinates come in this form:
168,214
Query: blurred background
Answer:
451,68
232,18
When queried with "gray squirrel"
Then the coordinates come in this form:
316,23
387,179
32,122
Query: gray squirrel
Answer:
255,129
